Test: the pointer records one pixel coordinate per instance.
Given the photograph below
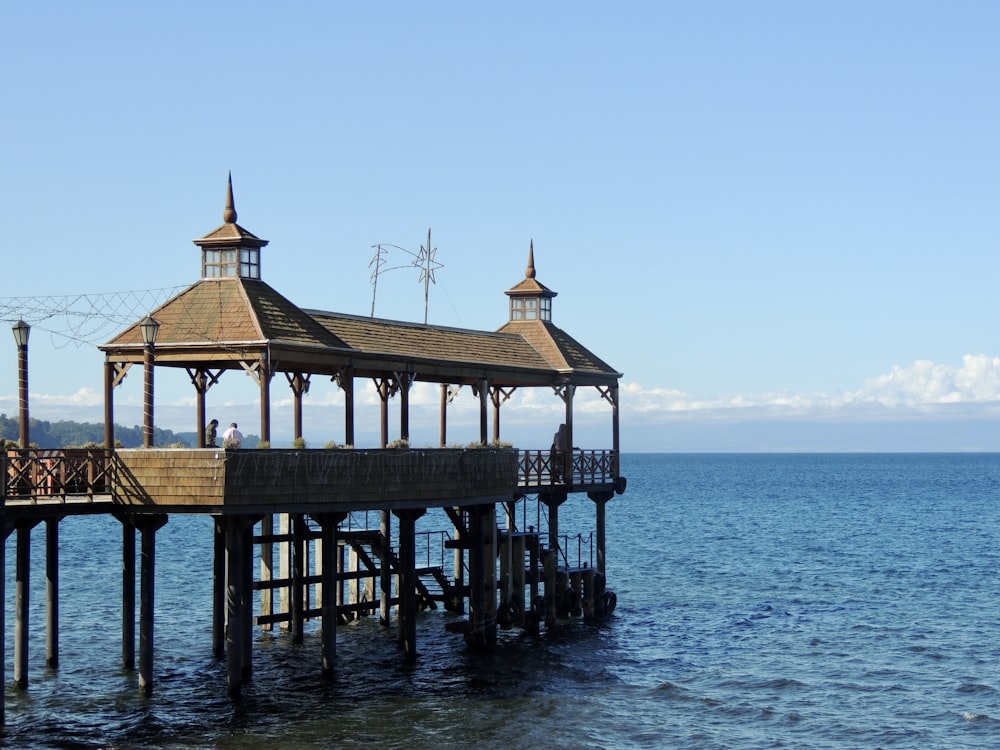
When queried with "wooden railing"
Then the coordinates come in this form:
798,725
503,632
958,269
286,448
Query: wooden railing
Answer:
544,468
55,474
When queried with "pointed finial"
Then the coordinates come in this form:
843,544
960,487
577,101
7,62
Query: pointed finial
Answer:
229,215
529,272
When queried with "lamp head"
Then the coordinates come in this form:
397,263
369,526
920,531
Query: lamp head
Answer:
21,331
149,327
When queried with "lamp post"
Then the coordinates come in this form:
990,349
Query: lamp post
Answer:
21,331
148,327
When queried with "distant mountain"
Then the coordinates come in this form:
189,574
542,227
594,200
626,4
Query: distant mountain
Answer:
64,434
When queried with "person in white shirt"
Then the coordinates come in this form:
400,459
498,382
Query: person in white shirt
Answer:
232,438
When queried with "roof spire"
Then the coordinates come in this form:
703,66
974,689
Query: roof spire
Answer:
529,272
229,215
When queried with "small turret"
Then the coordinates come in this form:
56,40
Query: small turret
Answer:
230,251
530,300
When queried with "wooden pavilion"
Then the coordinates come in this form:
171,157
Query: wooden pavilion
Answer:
267,498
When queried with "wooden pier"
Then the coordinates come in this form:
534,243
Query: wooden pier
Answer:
334,530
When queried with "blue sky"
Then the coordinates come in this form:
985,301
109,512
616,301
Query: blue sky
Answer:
779,220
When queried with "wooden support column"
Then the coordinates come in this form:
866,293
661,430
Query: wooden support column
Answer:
234,605
498,396
385,573
345,379
128,592
109,404
477,579
147,525
237,610
484,391
588,595
600,502
265,402
22,589
200,387
266,568
247,592
406,618
219,588
404,381
52,592
298,576
616,429
385,387
443,416
460,520
566,392
552,501
482,576
328,523
202,380
299,383
409,581
517,578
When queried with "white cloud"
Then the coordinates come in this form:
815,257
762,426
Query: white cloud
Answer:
910,388
924,395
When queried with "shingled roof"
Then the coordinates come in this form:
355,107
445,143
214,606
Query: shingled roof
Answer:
227,321
560,350
230,312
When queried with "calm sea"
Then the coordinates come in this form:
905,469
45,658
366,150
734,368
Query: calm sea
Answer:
764,601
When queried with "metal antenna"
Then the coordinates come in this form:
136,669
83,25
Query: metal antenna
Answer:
427,265
424,260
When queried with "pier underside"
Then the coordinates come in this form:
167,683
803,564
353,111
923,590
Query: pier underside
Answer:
329,536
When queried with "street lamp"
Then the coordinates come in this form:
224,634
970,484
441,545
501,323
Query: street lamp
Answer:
21,331
148,327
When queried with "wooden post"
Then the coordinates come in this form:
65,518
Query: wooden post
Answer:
234,605
588,595
405,380
200,381
128,593
458,559
265,401
22,589
477,579
285,569
219,588
266,568
385,573
109,405
298,575
443,417
517,577
328,523
52,592
246,560
484,394
407,618
600,507
347,383
148,526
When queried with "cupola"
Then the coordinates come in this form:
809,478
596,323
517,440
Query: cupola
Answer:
230,251
530,300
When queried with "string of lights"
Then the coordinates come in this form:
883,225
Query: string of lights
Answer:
84,319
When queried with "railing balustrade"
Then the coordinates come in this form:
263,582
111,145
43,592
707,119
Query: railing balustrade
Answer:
538,468
37,474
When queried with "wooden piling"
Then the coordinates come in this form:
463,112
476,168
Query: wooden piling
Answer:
234,605
22,588
52,592
219,588
128,593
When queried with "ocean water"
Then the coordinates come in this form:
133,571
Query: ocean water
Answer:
764,601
